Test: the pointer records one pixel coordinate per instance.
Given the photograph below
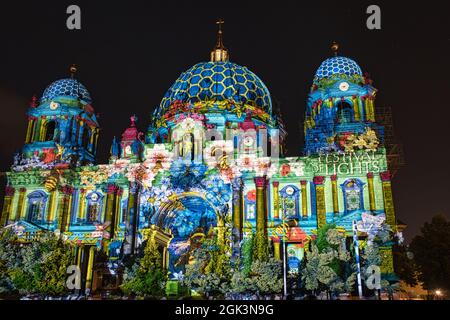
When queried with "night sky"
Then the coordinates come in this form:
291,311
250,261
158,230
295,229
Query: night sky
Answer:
130,52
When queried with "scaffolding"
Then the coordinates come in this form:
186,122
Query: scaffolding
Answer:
394,149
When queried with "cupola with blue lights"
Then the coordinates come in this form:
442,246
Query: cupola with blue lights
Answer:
68,87
62,127
340,106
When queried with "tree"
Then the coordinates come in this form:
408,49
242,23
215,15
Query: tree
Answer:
266,277
146,275
51,274
328,267
404,264
431,251
8,255
210,272
37,267
263,278
247,254
260,247
370,257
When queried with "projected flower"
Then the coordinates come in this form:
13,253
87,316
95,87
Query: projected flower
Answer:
185,177
217,191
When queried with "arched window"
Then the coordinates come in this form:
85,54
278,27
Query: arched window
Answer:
36,207
289,200
344,112
85,138
94,207
50,130
353,195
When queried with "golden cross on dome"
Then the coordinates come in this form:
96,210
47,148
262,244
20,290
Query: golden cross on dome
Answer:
220,22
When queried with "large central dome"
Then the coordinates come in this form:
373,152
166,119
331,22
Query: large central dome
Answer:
219,80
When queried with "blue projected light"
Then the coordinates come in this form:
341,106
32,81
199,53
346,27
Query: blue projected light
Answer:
66,87
338,65
218,80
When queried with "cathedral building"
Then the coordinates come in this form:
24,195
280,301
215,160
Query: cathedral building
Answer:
211,159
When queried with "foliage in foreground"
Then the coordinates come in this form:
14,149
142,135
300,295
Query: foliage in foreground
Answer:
328,266
34,268
432,253
211,273
146,275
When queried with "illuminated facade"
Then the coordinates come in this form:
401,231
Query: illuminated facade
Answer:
211,159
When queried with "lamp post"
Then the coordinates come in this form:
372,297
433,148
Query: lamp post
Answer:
284,237
358,267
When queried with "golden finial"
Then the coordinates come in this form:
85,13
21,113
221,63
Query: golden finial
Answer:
73,69
335,48
219,53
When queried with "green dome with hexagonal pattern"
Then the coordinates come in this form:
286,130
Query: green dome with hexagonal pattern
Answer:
217,81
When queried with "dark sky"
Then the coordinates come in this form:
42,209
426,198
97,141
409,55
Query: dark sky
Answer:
130,52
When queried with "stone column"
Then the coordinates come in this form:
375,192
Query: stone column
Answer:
29,128
133,214
334,191
320,201
79,255
356,111
261,241
371,191
109,216
90,269
276,249
82,205
303,184
7,206
276,200
388,200
165,258
20,214
37,129
64,220
369,108
51,207
261,205
117,212
238,186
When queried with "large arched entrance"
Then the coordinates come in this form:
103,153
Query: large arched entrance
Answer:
189,217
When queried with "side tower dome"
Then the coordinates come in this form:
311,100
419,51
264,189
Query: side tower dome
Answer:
340,108
68,87
62,127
